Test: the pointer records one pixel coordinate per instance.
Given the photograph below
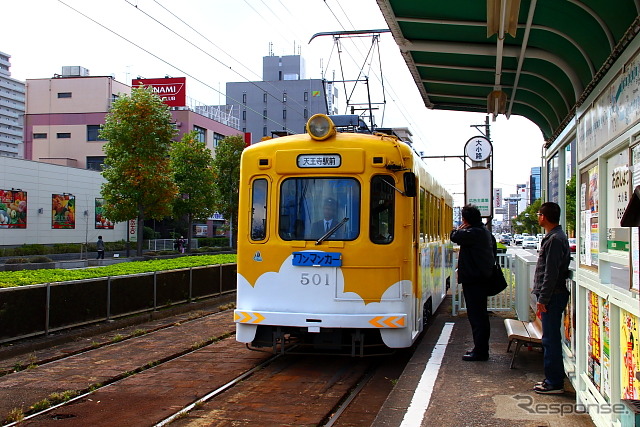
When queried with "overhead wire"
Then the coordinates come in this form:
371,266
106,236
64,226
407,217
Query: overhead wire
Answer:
277,98
159,58
405,114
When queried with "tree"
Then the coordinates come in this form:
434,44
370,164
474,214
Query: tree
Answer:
139,182
193,174
527,220
226,165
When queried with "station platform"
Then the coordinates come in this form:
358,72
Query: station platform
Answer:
438,388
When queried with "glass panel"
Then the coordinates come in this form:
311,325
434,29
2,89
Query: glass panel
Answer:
309,205
552,179
382,214
259,210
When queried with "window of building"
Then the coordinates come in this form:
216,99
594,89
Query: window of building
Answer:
284,114
39,136
63,135
217,137
244,98
284,97
201,134
264,97
244,115
306,113
264,114
95,163
64,94
93,133
306,96
264,131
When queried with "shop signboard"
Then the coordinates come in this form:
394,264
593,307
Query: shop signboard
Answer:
172,90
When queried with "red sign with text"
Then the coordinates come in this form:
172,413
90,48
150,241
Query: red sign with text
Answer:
172,90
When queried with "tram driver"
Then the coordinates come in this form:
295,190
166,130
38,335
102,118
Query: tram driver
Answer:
328,221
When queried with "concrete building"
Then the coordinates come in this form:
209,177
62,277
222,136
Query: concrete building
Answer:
11,111
64,114
283,101
52,204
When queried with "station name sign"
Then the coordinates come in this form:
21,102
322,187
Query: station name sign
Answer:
172,90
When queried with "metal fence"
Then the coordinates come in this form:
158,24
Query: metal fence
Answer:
504,301
167,244
40,309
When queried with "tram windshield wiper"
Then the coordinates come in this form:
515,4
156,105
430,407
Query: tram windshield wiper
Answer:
333,230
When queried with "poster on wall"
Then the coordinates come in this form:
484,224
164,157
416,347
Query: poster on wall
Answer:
606,349
589,218
13,209
569,324
630,353
63,211
102,222
594,342
619,185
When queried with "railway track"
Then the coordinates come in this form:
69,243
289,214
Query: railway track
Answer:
195,373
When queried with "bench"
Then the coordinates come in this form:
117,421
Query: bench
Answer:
520,332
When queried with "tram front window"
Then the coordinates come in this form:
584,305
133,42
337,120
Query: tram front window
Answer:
311,208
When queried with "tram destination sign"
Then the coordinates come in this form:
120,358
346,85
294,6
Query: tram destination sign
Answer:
319,161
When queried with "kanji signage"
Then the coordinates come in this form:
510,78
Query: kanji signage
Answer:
478,148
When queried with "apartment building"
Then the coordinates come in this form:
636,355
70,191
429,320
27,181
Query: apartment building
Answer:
12,108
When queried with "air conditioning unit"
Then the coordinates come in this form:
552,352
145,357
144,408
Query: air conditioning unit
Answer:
74,71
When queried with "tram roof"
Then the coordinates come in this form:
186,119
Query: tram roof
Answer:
553,54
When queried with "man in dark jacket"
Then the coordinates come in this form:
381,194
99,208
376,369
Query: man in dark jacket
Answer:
549,287
475,264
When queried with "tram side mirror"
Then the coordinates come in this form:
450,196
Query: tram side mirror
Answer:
409,184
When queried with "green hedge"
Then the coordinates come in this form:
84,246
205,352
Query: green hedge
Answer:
213,241
10,279
59,248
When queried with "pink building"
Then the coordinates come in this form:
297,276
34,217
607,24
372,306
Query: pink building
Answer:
64,114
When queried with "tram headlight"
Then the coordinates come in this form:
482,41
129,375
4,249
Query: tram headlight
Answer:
320,127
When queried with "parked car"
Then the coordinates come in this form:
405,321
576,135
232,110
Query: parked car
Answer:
529,242
572,244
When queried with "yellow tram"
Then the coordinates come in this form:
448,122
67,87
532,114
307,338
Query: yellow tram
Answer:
342,241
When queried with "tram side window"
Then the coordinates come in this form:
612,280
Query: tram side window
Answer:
423,219
259,210
382,209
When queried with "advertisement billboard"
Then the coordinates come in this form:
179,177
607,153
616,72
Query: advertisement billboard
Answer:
172,90
63,211
13,209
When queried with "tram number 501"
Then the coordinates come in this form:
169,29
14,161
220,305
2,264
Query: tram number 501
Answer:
317,279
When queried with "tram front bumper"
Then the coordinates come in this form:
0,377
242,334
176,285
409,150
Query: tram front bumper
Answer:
247,321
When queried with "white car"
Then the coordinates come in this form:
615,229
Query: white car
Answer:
529,242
